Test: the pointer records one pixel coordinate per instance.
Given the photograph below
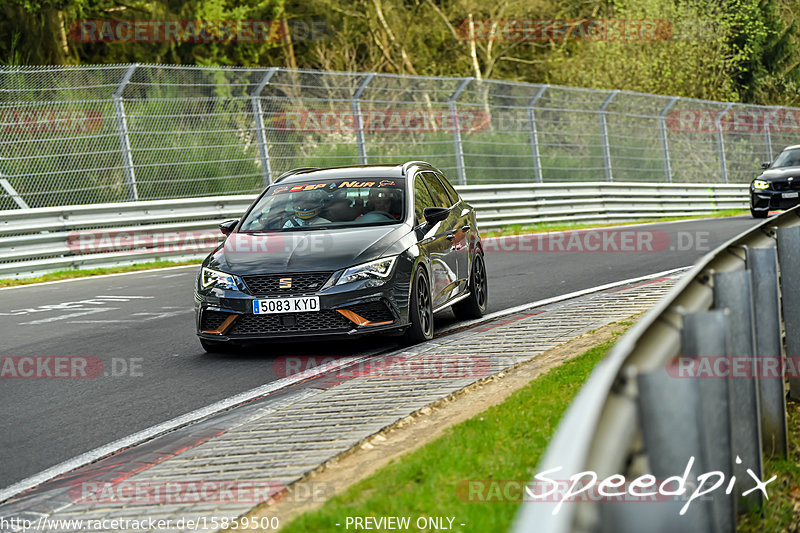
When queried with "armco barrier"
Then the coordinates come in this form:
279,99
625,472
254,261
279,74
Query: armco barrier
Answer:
702,376
40,240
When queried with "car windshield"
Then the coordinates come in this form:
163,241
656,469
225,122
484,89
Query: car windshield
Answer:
326,204
787,158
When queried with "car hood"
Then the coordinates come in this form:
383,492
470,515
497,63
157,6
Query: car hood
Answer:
779,173
299,251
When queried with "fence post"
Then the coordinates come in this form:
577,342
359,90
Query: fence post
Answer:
458,148
537,160
604,135
662,129
124,138
763,263
721,143
258,116
362,150
789,264
768,133
12,193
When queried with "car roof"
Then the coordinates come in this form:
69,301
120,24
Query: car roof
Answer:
794,146
355,171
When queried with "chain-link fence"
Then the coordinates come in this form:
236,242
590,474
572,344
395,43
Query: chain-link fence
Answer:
108,133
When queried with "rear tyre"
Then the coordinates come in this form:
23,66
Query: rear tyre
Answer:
420,310
474,306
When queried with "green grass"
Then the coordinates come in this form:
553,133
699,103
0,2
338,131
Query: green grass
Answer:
505,442
516,229
69,274
784,493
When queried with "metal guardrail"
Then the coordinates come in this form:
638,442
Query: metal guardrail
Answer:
637,414
111,133
41,240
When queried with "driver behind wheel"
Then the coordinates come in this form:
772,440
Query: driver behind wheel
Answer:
307,206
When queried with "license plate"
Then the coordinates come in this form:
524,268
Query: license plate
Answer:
286,305
790,194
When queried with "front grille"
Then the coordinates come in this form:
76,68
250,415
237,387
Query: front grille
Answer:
376,311
270,284
323,321
211,320
785,185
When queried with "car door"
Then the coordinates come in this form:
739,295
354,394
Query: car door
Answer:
440,242
461,228
434,240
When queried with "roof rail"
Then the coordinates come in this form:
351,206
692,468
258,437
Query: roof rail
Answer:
409,163
292,172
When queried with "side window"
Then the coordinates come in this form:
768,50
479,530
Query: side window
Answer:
422,199
438,193
450,189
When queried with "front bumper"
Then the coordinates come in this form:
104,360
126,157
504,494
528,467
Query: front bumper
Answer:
767,199
348,310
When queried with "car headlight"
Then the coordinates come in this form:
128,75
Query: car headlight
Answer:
214,278
378,269
761,184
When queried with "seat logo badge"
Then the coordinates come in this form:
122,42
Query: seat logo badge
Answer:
285,283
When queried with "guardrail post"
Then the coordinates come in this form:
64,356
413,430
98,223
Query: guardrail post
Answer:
721,143
258,117
537,160
358,119
124,137
732,291
604,135
662,129
763,264
789,264
679,420
457,146
707,334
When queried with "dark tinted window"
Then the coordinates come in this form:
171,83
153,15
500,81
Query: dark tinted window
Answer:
439,194
450,189
422,199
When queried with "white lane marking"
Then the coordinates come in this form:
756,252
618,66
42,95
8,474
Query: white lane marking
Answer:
145,317
64,317
149,271
174,275
556,299
154,431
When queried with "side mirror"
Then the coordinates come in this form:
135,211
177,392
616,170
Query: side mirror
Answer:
227,227
765,165
435,214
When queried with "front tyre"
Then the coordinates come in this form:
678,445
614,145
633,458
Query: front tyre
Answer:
474,306
420,310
